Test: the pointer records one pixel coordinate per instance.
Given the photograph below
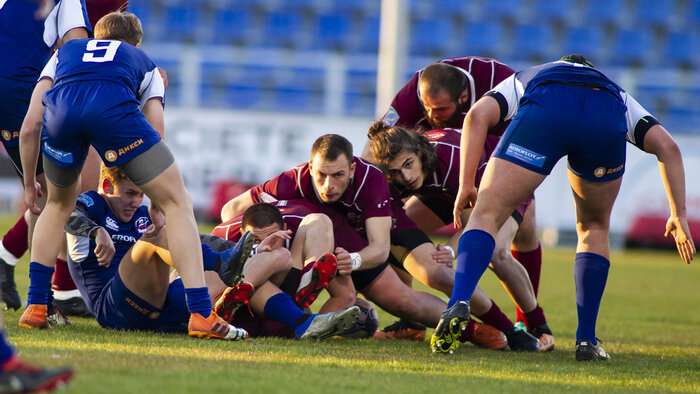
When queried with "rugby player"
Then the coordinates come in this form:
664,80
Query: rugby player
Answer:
428,165
337,179
107,93
439,96
566,107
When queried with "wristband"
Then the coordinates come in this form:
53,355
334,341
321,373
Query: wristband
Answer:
452,251
356,261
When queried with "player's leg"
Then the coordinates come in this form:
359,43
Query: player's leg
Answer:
594,201
527,250
422,210
48,237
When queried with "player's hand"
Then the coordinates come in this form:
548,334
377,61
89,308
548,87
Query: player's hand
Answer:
104,250
342,258
32,191
157,220
443,255
164,77
678,228
274,240
466,197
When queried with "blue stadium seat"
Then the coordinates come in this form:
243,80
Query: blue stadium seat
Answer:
282,28
432,37
332,31
693,12
360,93
632,47
604,10
231,26
144,11
587,41
560,10
482,39
509,9
681,48
368,39
532,41
654,11
181,21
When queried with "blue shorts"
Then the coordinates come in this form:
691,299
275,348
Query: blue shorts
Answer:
98,113
118,307
14,102
555,120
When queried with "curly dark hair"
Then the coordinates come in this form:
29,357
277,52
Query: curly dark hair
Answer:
388,142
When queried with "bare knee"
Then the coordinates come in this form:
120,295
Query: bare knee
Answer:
317,221
440,278
500,260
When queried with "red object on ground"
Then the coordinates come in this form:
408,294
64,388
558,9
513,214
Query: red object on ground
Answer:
224,191
648,230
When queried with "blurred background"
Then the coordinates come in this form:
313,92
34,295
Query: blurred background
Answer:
253,82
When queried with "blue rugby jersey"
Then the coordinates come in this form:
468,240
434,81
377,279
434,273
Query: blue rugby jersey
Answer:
89,276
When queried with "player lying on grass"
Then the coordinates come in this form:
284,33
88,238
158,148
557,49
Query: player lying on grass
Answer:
313,267
562,108
427,164
439,96
108,93
336,179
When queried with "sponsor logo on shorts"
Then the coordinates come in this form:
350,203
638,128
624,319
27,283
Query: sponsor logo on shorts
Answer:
131,146
526,155
111,223
391,117
86,200
8,135
110,155
142,224
154,315
136,306
124,238
61,156
602,171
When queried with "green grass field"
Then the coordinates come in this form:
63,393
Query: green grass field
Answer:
649,321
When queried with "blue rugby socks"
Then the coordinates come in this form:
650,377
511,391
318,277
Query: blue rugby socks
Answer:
39,283
6,351
281,307
590,274
198,300
210,258
473,257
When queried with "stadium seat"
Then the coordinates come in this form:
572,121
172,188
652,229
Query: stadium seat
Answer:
360,93
431,37
482,39
144,11
560,10
632,47
367,39
587,41
654,11
282,28
604,11
681,48
231,26
693,12
532,42
331,31
507,9
181,21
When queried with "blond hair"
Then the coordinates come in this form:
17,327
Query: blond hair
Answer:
121,26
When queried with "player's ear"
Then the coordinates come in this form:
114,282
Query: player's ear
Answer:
107,186
463,97
352,169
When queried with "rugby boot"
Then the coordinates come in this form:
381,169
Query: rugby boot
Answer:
231,299
231,268
402,329
333,323
520,341
56,317
544,336
214,327
19,377
315,280
74,306
451,325
34,317
488,337
586,351
8,286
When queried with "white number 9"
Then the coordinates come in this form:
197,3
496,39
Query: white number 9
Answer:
110,48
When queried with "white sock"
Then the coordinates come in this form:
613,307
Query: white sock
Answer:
66,294
9,258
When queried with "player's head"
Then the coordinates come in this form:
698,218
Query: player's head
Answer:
576,58
121,194
403,155
262,219
443,92
331,166
121,26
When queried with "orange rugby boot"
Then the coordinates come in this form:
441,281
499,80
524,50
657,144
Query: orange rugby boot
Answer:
35,316
214,327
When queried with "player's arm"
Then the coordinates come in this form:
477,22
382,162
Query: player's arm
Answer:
80,225
485,114
659,142
236,206
378,235
30,143
153,112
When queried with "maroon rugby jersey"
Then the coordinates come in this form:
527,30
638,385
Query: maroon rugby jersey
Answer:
483,74
367,195
96,9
